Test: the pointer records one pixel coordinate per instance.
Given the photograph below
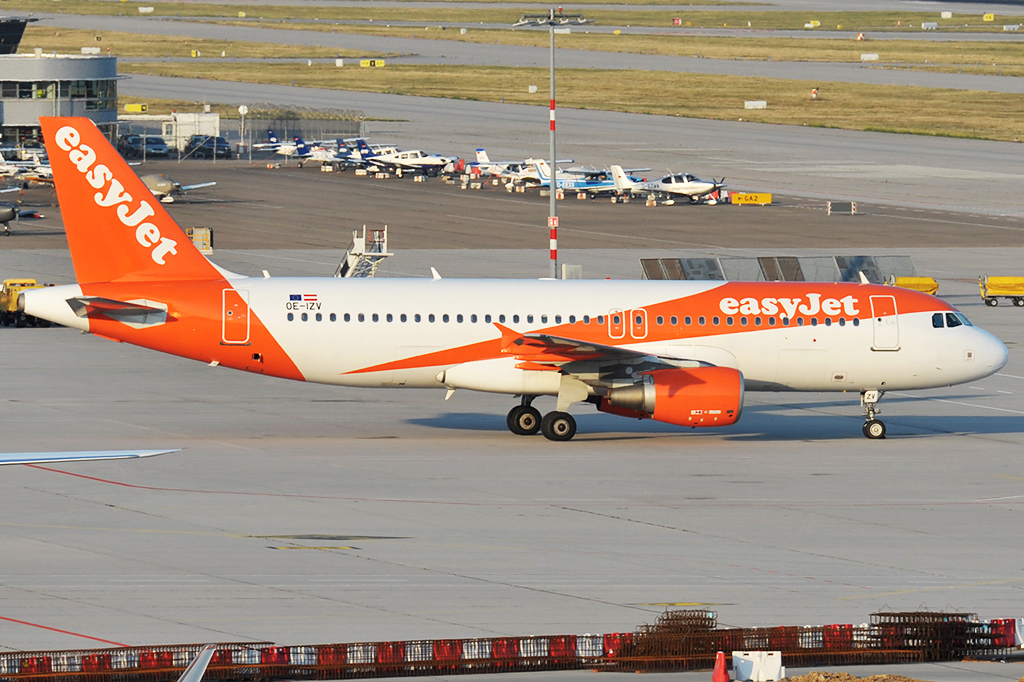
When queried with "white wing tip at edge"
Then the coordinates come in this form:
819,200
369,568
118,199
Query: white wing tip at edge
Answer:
85,456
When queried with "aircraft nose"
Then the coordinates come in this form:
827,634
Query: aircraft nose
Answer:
992,354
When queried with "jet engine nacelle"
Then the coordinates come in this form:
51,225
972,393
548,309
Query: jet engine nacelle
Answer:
701,396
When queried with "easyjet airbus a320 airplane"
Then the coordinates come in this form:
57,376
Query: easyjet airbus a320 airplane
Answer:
678,352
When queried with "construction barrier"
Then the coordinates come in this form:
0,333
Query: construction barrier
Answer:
679,640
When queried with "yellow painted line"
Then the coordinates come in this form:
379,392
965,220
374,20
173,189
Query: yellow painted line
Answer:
324,549
932,589
1012,478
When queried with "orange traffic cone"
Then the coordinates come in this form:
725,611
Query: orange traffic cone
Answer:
721,673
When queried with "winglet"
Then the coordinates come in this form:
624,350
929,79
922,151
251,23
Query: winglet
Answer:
434,273
863,277
197,668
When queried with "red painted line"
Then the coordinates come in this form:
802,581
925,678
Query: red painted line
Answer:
237,492
63,632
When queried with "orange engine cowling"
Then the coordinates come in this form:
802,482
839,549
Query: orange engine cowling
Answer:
701,396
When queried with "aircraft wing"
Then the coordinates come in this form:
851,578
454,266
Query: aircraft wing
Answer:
186,188
197,667
87,456
545,351
10,189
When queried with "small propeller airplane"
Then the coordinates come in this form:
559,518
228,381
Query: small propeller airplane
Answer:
593,181
514,171
166,189
414,160
672,185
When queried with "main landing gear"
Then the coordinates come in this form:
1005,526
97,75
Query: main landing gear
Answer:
873,428
525,420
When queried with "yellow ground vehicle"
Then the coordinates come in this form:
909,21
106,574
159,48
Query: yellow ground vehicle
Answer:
994,288
9,313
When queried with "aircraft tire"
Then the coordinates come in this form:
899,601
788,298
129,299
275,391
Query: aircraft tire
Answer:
558,426
874,429
523,420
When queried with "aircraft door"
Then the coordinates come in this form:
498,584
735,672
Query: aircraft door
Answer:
885,322
638,323
235,317
616,323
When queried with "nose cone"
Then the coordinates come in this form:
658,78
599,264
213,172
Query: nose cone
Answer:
992,354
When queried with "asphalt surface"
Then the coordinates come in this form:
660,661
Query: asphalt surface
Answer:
456,53
913,171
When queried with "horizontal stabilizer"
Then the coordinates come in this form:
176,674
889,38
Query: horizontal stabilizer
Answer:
88,456
123,311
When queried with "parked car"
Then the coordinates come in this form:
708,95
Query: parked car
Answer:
208,147
131,146
156,146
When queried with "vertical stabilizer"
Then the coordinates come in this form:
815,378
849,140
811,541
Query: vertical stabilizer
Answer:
116,228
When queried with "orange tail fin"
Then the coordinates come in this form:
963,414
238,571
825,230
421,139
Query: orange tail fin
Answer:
116,229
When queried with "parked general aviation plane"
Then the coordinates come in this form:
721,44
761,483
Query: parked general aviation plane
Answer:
516,171
672,185
588,180
408,161
166,189
681,352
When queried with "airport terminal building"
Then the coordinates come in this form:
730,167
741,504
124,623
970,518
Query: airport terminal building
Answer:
34,85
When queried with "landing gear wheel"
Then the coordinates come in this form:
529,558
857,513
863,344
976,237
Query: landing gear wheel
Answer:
523,420
992,302
1019,302
874,429
558,426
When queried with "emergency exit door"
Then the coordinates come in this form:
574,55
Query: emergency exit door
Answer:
235,317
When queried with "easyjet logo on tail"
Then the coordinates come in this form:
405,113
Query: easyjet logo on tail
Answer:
846,305
112,193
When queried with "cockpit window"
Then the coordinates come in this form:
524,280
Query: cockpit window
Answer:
952,320
937,320
963,318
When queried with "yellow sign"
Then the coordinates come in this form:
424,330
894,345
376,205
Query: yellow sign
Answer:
759,199
371,62
814,22
241,15
989,17
136,108
196,53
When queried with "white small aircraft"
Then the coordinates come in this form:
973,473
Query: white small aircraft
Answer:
516,171
34,170
672,185
165,189
415,160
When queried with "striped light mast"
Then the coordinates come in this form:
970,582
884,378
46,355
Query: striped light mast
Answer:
554,17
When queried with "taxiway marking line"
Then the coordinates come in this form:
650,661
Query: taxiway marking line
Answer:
932,589
63,632
252,494
957,402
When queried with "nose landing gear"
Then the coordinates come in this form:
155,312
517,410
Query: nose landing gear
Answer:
873,428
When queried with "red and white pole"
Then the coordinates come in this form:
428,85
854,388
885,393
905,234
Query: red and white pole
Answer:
553,213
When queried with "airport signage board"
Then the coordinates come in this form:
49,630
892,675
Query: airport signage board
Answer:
758,198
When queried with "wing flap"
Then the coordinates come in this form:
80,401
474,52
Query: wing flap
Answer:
87,456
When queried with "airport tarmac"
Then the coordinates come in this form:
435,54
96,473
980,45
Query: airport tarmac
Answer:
302,513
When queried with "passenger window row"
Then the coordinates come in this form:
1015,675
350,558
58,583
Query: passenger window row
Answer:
616,319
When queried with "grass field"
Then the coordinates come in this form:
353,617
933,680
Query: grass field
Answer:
850,21
70,41
851,106
970,56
